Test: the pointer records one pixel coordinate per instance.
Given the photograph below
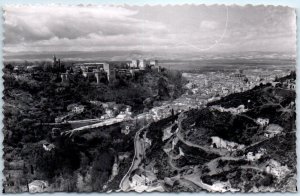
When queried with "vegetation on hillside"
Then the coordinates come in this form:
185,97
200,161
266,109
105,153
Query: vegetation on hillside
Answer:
38,97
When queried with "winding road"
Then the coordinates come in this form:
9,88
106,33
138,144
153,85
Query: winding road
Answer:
138,153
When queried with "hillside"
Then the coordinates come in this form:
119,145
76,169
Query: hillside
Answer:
34,100
207,149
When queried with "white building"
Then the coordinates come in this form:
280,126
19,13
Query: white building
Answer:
262,121
134,64
255,156
273,130
218,142
142,64
48,147
153,63
274,167
37,186
78,109
221,187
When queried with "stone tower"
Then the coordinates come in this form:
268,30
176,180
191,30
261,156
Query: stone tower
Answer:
110,71
54,61
97,75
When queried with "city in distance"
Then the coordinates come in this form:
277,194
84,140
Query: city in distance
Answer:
183,98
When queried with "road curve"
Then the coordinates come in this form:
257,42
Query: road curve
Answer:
135,162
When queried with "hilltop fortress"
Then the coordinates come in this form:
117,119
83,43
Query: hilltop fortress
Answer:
111,70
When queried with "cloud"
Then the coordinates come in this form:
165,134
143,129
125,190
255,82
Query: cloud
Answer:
41,23
208,25
38,29
76,28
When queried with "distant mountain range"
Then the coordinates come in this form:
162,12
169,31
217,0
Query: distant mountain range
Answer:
129,55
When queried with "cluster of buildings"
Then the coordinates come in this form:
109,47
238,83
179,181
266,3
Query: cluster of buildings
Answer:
276,169
211,86
218,142
147,183
272,130
111,110
234,111
76,108
254,156
109,71
219,84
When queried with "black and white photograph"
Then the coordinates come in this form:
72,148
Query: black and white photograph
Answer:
149,98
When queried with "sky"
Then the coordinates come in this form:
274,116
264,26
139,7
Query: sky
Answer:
163,32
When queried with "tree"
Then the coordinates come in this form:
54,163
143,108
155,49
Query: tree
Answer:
101,169
163,91
9,67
